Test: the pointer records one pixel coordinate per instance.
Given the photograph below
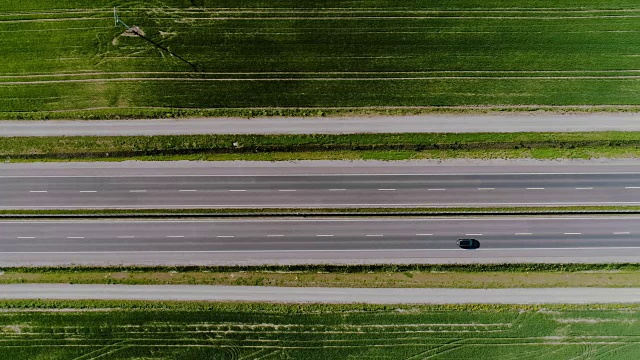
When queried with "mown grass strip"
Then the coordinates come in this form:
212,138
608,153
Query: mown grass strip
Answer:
400,277
163,113
543,145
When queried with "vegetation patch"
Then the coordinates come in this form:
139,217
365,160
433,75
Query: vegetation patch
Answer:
315,58
144,330
313,146
405,276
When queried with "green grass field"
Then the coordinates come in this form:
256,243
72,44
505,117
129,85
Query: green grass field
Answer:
120,330
67,58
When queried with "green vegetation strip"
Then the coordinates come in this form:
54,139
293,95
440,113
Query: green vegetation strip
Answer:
401,276
313,57
314,146
296,212
128,330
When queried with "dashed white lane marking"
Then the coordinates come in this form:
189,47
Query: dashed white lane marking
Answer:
225,236
523,234
573,233
535,188
38,191
175,236
424,234
337,189
486,188
287,190
473,234
375,235
126,237
632,187
75,237
26,237
436,189
621,233
187,190
275,235
584,188
324,235
88,191
137,191
237,190
386,189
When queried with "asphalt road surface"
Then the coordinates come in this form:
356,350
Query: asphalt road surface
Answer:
320,295
251,241
394,124
348,185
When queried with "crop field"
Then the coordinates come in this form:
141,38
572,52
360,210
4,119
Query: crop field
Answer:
111,330
68,56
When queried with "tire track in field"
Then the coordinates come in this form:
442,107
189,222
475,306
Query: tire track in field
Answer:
327,79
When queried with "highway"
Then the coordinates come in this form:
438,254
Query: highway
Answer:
335,184
321,295
433,123
365,240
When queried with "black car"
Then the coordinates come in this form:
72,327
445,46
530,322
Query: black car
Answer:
468,243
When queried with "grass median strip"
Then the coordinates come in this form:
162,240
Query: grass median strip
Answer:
194,330
400,276
322,146
295,212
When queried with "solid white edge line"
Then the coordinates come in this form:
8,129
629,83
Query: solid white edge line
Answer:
311,250
497,218
326,174
306,206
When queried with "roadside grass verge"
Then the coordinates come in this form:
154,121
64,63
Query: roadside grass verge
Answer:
194,330
322,146
371,276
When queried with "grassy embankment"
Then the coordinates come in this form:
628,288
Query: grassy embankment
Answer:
318,146
135,330
457,276
66,59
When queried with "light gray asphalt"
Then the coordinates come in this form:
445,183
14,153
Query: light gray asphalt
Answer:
250,241
320,295
394,124
294,187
